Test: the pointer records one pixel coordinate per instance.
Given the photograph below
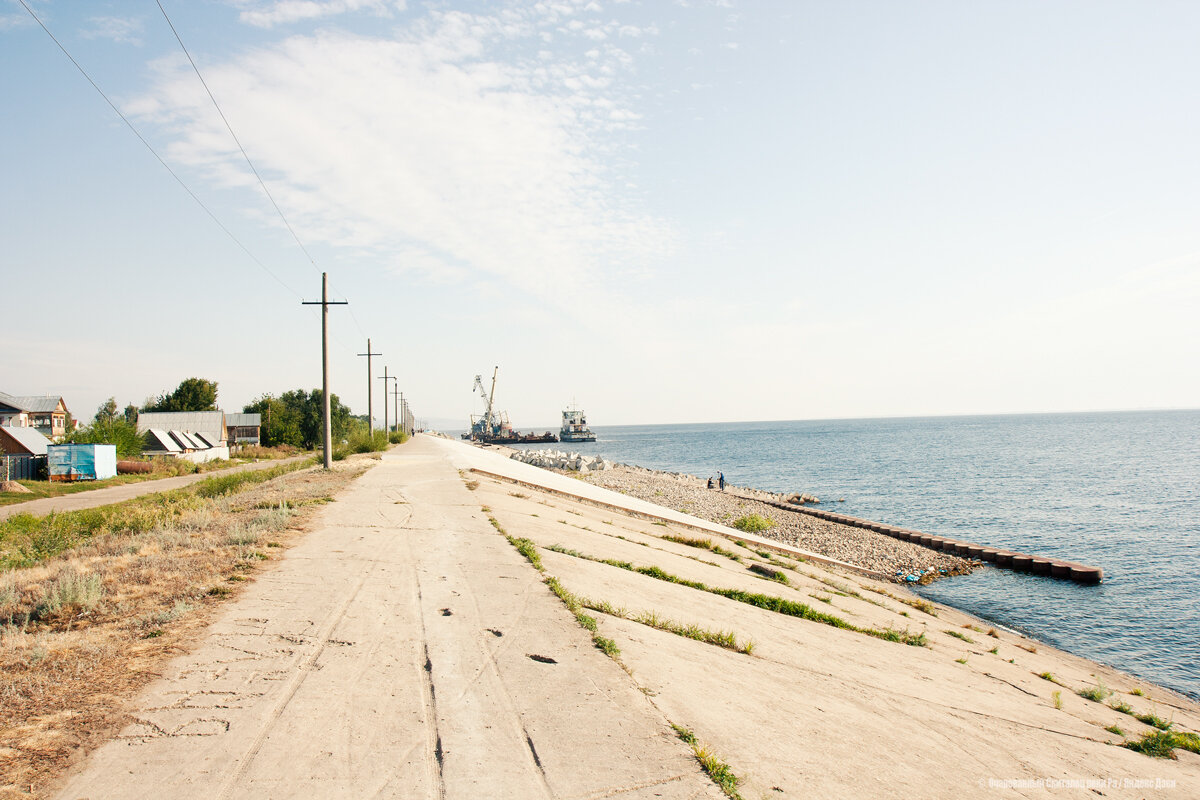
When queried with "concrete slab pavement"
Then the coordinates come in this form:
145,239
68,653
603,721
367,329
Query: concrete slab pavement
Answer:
402,649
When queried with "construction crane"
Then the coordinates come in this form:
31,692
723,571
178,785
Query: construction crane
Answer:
486,421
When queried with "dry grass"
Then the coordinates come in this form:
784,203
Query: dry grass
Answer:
83,630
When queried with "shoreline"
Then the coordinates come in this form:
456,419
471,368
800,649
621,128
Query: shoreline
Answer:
688,494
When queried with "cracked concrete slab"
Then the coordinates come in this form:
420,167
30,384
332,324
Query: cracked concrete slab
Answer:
340,673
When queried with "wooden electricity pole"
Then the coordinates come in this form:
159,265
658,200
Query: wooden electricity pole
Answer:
325,303
385,378
370,408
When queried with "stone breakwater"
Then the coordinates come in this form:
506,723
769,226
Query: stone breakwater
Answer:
690,495
558,459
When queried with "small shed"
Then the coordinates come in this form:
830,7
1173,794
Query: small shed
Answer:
82,462
22,441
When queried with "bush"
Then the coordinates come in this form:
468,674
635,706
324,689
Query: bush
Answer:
398,437
753,523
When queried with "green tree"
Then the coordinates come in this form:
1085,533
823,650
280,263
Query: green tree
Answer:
109,428
192,394
107,412
294,418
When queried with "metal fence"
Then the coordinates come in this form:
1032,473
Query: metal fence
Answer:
22,468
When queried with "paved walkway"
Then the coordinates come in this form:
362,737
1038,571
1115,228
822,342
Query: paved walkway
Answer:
403,649
127,491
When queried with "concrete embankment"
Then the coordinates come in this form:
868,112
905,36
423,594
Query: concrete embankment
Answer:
445,634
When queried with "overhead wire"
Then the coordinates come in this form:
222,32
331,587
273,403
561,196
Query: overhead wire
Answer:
154,152
245,155
183,184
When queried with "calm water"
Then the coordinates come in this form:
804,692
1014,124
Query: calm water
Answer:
1117,490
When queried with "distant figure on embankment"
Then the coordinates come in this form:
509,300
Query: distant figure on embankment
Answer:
721,480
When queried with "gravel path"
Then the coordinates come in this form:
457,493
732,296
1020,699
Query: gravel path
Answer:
690,495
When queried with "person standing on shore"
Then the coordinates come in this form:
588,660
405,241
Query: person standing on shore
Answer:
721,480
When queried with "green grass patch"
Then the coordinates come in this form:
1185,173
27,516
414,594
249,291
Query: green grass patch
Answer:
220,485
1095,693
725,639
770,574
718,771
703,544
1162,744
753,523
1115,729
527,548
1057,697
1154,721
959,635
1049,676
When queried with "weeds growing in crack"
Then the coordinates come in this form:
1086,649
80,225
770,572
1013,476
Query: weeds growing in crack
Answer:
718,771
703,544
725,639
779,605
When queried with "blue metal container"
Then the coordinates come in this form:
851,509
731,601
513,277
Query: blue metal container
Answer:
82,462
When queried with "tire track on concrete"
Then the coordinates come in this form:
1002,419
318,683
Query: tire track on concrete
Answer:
433,750
294,682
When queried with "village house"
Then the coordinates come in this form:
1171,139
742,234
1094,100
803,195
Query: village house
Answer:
191,435
209,423
244,428
46,414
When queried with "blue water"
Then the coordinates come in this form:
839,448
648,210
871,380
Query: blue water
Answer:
1115,490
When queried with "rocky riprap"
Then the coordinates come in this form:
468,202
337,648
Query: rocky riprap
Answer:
690,495
558,459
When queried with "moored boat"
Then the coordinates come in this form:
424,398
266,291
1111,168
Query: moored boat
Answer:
575,427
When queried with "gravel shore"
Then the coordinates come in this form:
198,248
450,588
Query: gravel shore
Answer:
690,495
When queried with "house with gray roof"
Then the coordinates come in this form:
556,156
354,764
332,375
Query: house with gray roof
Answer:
210,423
47,414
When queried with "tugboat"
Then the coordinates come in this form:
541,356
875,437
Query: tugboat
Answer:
575,427
492,427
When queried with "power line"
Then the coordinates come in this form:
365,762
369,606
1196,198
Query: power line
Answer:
245,155
154,152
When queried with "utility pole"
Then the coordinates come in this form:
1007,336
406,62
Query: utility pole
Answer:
396,395
370,408
325,303
385,378
402,415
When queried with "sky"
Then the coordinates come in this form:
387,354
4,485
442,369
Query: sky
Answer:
689,211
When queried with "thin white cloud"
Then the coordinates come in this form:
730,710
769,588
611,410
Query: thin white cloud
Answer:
117,29
287,12
427,152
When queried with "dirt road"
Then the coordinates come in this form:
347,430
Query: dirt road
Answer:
128,491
